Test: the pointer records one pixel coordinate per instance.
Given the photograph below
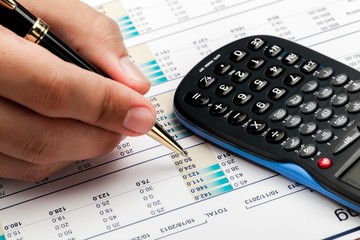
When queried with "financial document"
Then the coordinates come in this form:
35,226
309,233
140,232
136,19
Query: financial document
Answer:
141,190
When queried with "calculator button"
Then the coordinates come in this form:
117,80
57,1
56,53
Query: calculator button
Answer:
238,55
275,135
354,87
242,98
307,151
240,76
324,136
218,109
274,71
256,126
256,63
258,84
309,107
339,121
294,100
224,90
237,117
324,114
197,99
278,115
340,100
206,81
310,87
293,121
293,79
290,58
261,107
350,138
354,107
308,128
273,51
277,93
222,68
324,163
325,93
309,66
256,44
292,143
325,73
340,79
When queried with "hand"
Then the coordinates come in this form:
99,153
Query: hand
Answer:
53,112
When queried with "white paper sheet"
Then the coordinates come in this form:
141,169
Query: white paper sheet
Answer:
143,191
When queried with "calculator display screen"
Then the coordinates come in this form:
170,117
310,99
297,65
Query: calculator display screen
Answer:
352,175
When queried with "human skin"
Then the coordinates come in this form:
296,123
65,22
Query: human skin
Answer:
52,112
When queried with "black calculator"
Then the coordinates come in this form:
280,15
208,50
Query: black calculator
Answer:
280,105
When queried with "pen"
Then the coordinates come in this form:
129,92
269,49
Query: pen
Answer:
16,18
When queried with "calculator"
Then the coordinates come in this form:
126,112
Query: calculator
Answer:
283,106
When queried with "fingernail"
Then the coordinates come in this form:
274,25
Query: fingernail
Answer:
139,120
131,71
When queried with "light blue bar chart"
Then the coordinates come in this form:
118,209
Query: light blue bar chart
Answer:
127,27
202,174
153,72
146,62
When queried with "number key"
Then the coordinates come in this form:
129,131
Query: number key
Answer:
261,107
258,84
242,98
224,89
276,93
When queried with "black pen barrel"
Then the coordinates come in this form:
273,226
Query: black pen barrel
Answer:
21,22
56,46
18,20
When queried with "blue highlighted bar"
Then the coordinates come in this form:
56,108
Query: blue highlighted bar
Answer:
223,189
171,115
131,35
158,81
177,128
175,123
129,29
182,135
210,169
125,23
213,176
148,64
151,69
124,18
217,183
2,237
156,74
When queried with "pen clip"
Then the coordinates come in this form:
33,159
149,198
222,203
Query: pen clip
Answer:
10,4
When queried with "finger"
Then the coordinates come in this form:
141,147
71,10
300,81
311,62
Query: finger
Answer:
14,168
34,138
63,90
93,35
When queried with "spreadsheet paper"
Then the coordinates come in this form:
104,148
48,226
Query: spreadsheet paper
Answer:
141,190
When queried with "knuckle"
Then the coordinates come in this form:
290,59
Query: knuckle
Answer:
108,30
39,149
107,24
53,95
105,108
35,173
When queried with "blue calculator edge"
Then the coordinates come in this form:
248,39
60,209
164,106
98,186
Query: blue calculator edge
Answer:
290,170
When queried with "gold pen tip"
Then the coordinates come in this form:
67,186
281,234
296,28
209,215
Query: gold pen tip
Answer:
183,153
162,136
